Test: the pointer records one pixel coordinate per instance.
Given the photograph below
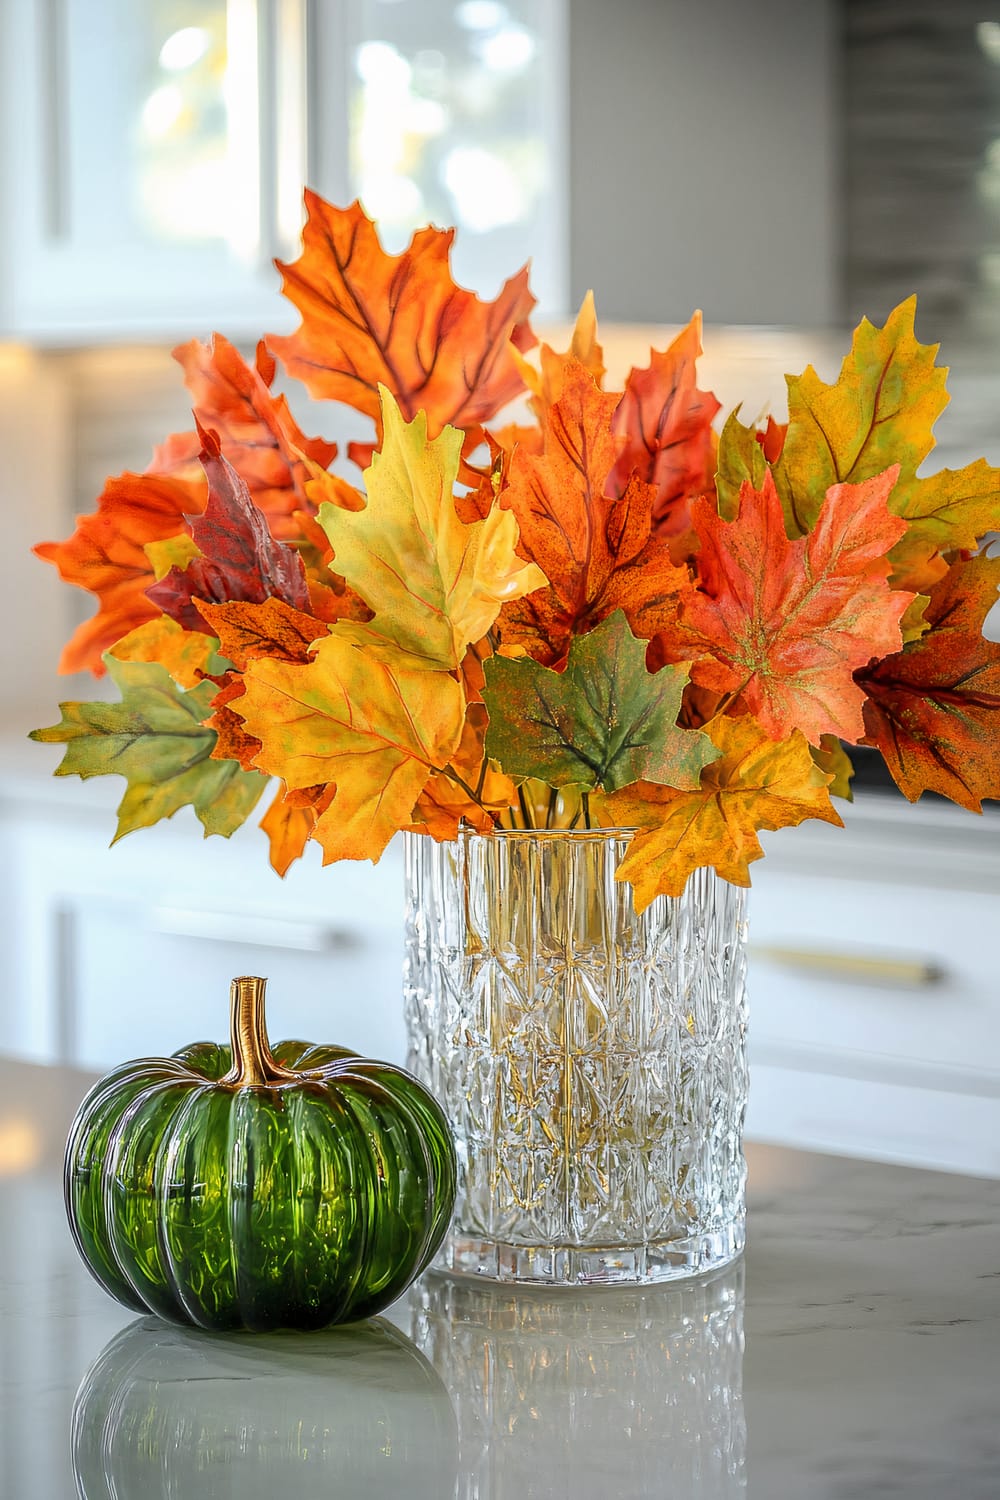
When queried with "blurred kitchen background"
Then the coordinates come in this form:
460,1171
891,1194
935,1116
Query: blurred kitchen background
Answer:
786,166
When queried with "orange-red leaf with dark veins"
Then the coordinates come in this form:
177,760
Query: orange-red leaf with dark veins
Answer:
783,625
370,318
240,559
664,423
105,555
596,550
290,820
933,708
271,628
257,432
233,742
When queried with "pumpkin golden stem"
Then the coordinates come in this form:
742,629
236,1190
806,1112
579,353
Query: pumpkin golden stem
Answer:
252,1059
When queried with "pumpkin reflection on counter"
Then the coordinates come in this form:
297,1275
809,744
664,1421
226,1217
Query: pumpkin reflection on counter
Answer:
177,1412
244,1188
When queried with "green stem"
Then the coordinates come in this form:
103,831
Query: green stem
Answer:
525,812
585,804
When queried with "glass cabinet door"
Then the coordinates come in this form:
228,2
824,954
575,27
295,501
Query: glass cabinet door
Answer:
457,116
153,155
145,163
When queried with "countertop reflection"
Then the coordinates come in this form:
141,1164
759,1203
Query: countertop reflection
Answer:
856,1353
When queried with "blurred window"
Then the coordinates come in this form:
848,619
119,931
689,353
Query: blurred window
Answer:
456,117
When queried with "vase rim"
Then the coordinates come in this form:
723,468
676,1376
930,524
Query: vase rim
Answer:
554,835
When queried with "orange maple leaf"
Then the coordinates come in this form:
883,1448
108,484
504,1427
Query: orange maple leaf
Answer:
782,625
232,741
933,708
106,555
375,729
756,783
271,628
595,549
545,382
772,439
444,805
665,425
257,432
371,319
290,820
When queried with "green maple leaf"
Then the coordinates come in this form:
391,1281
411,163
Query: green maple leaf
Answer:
741,459
155,738
603,722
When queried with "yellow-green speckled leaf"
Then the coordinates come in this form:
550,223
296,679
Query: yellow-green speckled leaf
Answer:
881,411
155,738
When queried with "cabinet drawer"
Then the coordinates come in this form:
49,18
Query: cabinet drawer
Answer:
146,979
875,968
904,1122
129,951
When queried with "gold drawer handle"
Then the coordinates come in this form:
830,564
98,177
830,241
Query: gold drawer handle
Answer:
861,968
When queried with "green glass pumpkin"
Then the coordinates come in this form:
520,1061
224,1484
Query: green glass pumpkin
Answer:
240,1187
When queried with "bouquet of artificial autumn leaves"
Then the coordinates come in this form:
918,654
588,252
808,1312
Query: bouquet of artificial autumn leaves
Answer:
608,616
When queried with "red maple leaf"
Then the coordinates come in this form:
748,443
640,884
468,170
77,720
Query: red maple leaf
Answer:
782,625
240,559
664,423
256,430
934,708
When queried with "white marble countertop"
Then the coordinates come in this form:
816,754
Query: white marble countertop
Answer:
856,1353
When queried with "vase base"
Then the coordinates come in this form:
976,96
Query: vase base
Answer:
591,1265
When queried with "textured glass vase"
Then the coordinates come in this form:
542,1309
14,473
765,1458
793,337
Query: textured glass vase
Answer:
591,1061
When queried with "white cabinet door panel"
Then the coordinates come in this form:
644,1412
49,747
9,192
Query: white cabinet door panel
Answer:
140,985
871,968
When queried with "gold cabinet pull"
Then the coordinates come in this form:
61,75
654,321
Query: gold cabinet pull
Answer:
859,968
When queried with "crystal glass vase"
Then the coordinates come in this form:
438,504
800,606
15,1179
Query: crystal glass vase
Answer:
591,1060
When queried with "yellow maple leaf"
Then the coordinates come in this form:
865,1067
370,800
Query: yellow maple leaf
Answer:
435,583
172,552
374,728
186,654
832,758
881,411
756,783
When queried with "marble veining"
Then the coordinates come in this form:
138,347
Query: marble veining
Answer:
854,1355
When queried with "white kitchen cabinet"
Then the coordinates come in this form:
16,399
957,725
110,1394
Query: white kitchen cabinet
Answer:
127,951
874,1007
874,1004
